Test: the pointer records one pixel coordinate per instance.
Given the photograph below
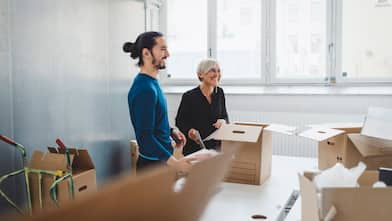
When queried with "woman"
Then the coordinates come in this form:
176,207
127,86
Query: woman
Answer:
202,110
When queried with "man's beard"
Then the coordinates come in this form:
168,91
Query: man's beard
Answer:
158,65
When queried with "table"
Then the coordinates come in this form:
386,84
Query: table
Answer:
240,201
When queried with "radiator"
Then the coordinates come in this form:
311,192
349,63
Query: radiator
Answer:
284,144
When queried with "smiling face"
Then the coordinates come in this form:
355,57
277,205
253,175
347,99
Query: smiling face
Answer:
209,72
211,77
160,53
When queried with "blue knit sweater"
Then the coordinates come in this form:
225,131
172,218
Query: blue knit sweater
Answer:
148,111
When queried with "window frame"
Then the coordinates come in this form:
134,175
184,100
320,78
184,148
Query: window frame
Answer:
268,50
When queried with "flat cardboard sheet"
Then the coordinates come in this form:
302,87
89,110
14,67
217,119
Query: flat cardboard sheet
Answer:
235,132
320,134
280,128
378,123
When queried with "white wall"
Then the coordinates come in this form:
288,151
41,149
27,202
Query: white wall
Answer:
295,110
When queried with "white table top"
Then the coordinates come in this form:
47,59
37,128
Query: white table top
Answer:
241,201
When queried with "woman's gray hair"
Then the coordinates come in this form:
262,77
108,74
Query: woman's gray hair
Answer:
205,66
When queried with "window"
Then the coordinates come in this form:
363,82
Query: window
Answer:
280,41
366,40
186,37
238,42
300,40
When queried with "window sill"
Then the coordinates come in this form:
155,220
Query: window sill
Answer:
292,90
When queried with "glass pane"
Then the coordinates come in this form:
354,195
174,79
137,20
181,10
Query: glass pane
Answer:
186,37
301,39
239,38
367,39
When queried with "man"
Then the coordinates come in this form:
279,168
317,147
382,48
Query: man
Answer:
147,105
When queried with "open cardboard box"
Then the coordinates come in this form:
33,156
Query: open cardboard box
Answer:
252,162
148,196
362,203
350,143
83,170
332,141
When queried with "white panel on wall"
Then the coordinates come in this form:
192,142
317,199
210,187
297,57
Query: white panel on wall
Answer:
294,110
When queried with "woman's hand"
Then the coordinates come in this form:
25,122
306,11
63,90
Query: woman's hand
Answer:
219,123
192,134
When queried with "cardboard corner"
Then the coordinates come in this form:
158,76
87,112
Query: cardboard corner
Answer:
309,202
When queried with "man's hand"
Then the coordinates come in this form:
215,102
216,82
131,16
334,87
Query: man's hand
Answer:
179,138
182,165
219,123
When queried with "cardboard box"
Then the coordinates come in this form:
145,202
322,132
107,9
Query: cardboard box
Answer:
375,153
83,169
147,196
362,203
252,162
332,142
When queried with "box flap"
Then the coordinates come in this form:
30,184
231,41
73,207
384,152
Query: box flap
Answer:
368,146
251,124
368,178
48,161
378,123
52,150
309,203
83,160
338,125
320,134
280,128
234,132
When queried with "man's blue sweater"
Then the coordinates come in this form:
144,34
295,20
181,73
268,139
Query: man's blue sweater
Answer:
148,111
